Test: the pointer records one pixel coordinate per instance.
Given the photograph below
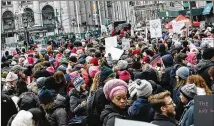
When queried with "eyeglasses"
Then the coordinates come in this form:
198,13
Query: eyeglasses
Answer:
171,103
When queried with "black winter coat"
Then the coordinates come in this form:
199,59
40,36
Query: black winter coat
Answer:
8,108
57,116
162,120
111,112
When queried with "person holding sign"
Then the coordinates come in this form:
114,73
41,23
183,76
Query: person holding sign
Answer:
187,95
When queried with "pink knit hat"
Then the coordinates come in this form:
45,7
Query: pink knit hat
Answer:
114,87
93,70
190,57
124,75
50,69
30,60
74,74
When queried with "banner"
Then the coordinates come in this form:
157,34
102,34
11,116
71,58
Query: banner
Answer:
155,28
123,122
115,53
111,42
210,41
125,44
202,24
177,26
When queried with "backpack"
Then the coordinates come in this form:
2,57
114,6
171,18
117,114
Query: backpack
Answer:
92,116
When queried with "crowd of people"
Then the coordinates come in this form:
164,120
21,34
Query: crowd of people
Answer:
75,84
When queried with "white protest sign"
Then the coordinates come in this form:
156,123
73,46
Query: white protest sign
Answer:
103,29
111,42
115,53
123,122
210,41
155,28
125,44
202,24
177,26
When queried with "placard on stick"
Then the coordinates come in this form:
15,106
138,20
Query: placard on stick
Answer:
155,28
204,110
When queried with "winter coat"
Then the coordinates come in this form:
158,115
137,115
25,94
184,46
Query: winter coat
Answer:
9,89
75,99
156,87
202,69
165,80
8,108
141,110
188,115
162,120
111,112
101,100
57,116
149,74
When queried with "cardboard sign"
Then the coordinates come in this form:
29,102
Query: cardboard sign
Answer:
123,122
111,42
177,26
115,53
202,24
210,41
204,110
125,44
155,28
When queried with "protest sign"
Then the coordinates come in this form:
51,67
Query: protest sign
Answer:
204,110
115,53
111,42
155,28
202,24
125,44
123,122
210,41
156,61
177,26
104,29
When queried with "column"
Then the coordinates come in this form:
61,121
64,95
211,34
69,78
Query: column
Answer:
113,12
65,17
72,15
57,12
15,12
37,13
89,14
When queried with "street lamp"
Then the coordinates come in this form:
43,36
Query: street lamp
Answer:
26,32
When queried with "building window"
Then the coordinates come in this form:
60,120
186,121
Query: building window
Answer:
172,4
193,3
3,3
8,2
109,4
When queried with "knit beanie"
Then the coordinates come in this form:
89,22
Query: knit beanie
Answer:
45,96
144,88
182,72
77,80
132,89
93,70
122,64
114,87
105,73
145,59
94,61
15,69
23,118
11,77
40,82
190,57
50,69
124,75
189,91
62,68
88,59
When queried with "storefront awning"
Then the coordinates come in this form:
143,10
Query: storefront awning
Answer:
207,8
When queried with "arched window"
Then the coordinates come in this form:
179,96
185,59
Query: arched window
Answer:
8,20
48,18
29,15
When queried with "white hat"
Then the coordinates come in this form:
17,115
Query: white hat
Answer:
23,118
11,77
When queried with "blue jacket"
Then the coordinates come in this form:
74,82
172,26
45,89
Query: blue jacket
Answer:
141,110
188,115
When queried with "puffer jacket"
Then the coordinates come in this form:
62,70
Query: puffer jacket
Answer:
188,115
75,99
109,114
141,110
202,69
57,116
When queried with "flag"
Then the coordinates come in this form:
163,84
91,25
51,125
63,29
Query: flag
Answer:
156,61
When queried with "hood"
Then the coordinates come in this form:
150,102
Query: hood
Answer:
191,103
203,64
167,60
111,108
60,101
200,91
